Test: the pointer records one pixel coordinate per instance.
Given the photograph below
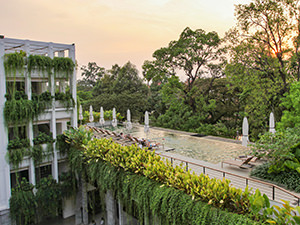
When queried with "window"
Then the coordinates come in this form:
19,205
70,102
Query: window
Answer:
21,174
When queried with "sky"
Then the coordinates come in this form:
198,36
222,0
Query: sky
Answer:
112,32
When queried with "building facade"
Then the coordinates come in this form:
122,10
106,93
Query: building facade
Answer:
52,121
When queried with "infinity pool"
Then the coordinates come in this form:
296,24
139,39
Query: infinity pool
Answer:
202,148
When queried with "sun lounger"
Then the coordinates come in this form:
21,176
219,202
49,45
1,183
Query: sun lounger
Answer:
239,163
253,158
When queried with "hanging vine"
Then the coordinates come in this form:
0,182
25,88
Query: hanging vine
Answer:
64,66
17,149
14,62
22,203
39,62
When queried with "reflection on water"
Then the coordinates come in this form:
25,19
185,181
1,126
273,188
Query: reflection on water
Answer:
201,148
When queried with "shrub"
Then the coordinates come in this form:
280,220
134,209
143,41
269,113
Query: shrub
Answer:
289,179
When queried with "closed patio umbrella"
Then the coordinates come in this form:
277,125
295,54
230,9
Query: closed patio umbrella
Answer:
114,121
245,132
146,128
80,113
101,120
272,123
91,118
128,124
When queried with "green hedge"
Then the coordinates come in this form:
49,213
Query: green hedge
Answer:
289,179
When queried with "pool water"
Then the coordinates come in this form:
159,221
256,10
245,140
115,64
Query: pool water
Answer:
202,148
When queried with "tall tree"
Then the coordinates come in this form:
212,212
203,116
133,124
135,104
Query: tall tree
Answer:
122,88
92,73
263,60
195,53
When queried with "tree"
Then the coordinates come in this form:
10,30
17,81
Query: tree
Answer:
122,88
195,53
92,73
263,48
291,101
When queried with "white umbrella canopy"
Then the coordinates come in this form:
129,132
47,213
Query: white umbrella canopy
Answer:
245,132
80,113
146,128
114,120
128,124
91,118
101,120
272,123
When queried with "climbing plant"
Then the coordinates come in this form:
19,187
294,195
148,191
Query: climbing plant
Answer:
17,149
39,62
139,177
29,208
48,197
37,152
14,62
102,160
65,98
23,204
24,110
63,65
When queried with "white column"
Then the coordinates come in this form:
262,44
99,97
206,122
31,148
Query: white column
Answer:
53,117
73,87
4,165
29,126
64,126
121,214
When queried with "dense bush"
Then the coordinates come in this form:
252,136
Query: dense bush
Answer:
289,179
29,207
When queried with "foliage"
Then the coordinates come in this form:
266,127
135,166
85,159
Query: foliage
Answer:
14,62
281,149
17,149
40,62
120,88
172,206
91,74
65,98
18,143
23,110
18,95
291,103
89,154
29,208
48,197
61,144
63,66
264,57
43,138
68,184
195,53
288,179
284,215
22,203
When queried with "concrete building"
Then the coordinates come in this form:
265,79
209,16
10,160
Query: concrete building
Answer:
55,119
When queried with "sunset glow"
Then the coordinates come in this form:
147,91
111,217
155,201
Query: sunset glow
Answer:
114,31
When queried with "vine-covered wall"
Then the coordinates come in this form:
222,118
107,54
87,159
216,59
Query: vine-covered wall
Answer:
174,195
